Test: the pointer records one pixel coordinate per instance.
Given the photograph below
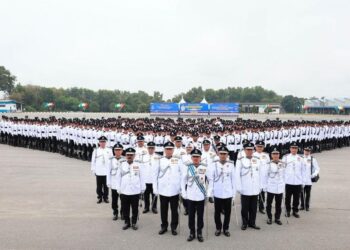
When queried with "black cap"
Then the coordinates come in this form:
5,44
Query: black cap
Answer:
294,145
117,146
275,151
169,144
178,138
206,142
130,151
216,137
102,138
307,148
140,138
249,145
259,143
222,149
196,152
151,144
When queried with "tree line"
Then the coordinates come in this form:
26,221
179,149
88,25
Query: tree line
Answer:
33,97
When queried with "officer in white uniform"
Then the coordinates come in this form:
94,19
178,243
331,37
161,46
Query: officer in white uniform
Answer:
100,164
248,177
221,176
312,170
294,173
140,148
112,174
273,183
130,184
179,151
265,159
150,164
167,183
193,189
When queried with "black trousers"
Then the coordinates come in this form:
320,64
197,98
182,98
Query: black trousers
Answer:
149,193
261,199
232,155
133,202
195,207
115,197
292,190
222,205
305,196
278,205
101,187
249,207
164,207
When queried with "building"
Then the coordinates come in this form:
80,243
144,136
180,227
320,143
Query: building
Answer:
261,108
327,106
10,106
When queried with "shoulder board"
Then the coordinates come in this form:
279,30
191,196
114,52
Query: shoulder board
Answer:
203,164
256,157
231,162
176,156
215,161
240,158
137,161
301,156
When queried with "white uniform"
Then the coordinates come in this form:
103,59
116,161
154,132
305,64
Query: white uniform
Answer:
193,192
167,177
310,173
248,175
273,180
100,161
221,178
130,179
295,169
113,171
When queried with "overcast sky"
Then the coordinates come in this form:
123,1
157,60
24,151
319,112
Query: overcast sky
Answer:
299,47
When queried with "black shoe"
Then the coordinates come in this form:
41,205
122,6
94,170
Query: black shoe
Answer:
126,226
190,237
227,233
173,232
162,231
287,214
278,222
134,227
106,200
186,212
301,208
99,201
307,209
154,210
146,210
255,227
200,238
217,232
244,227
262,211
296,215
115,217
269,221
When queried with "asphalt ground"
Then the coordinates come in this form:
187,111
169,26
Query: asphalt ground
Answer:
48,201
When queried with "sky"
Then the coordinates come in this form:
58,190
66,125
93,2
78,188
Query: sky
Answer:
292,47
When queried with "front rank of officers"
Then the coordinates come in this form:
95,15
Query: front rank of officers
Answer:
187,179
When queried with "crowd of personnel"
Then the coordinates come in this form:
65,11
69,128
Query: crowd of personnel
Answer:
189,162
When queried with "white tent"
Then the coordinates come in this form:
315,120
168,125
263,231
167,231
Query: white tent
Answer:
182,101
204,101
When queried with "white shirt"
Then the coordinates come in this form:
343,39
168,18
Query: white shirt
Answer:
100,161
167,177
221,177
307,173
273,180
193,192
130,179
248,175
295,168
113,171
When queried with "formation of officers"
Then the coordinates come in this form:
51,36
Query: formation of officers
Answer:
190,163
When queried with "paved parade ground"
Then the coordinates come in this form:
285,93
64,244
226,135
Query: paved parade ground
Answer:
48,201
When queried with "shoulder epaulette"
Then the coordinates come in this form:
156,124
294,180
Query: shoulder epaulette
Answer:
256,157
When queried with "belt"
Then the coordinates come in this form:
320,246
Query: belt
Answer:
159,145
83,137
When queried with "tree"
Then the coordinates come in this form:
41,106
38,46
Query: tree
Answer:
7,80
292,104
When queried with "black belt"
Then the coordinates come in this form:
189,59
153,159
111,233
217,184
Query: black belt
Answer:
89,137
83,137
159,145
111,140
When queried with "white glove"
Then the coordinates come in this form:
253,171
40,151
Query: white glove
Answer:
184,196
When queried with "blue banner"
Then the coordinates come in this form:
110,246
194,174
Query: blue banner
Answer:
194,108
221,108
164,107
